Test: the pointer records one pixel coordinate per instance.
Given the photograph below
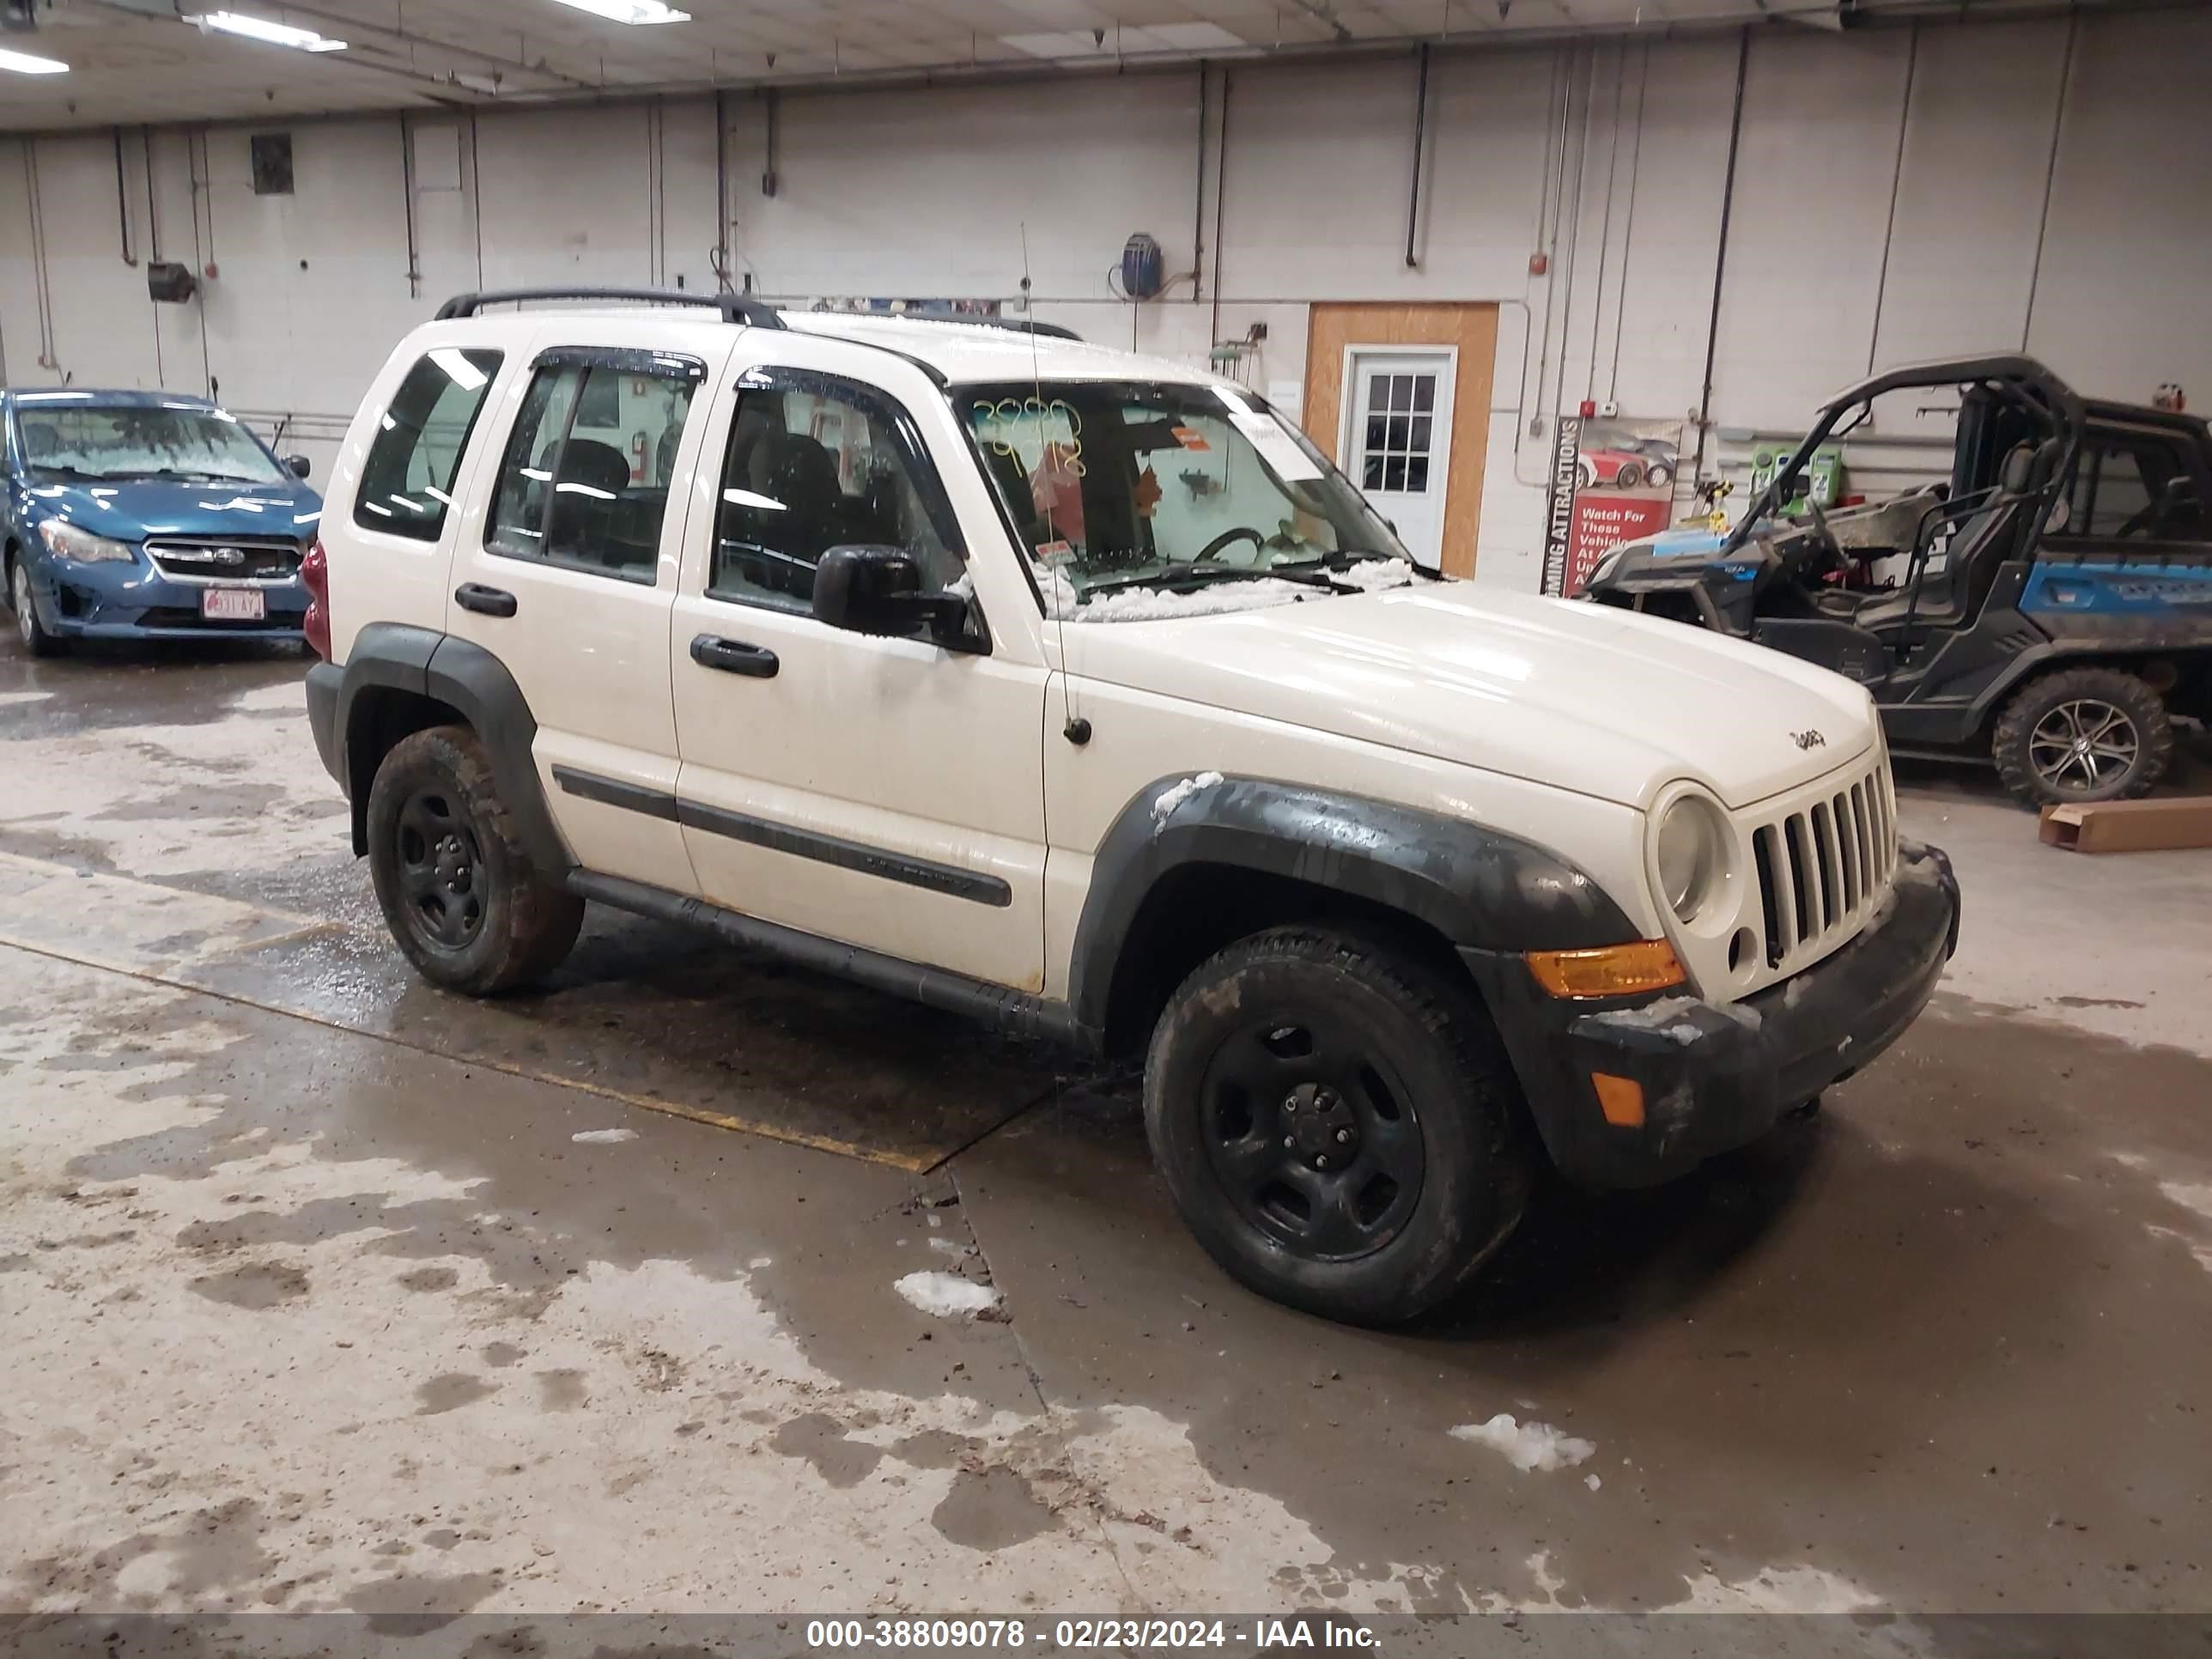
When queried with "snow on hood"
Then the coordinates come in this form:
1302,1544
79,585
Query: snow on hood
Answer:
1062,603
1597,700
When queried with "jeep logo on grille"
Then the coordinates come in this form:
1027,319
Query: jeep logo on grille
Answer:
1808,738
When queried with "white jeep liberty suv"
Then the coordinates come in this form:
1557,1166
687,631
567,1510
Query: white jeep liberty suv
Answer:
1076,691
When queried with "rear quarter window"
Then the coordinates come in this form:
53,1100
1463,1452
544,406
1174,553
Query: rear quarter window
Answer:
407,482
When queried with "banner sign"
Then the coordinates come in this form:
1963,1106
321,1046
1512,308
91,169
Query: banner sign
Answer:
1612,482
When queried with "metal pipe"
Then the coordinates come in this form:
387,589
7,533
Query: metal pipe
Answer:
1220,196
721,255
153,217
123,204
1628,229
1420,135
1556,184
1720,255
1605,226
2049,174
1896,181
407,191
1198,204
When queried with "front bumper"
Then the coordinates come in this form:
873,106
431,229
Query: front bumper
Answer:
1714,1076
136,602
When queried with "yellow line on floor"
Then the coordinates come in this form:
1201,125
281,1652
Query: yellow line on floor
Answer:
912,1163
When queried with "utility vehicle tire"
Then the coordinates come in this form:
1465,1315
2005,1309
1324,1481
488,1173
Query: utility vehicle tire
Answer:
2083,734
459,893
1630,475
1337,1123
28,628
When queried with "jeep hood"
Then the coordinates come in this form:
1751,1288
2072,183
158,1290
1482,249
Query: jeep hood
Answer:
1585,697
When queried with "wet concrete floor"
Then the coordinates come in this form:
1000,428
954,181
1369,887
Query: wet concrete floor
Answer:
315,1299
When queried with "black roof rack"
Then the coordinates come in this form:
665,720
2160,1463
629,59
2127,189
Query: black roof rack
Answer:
1019,324
734,307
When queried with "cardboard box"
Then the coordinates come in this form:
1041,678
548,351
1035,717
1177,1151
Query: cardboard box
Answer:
2130,826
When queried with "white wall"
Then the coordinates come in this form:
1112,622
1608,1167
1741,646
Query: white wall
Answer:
1900,194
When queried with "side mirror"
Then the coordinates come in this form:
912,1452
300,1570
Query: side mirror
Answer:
877,590
298,465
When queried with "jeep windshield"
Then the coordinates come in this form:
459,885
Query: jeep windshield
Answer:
116,443
1145,499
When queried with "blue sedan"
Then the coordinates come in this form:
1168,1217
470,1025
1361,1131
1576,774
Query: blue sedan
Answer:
133,515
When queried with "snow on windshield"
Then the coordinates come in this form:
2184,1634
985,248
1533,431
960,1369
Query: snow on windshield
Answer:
1063,604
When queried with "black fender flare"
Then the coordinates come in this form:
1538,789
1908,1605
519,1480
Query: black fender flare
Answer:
476,686
1477,887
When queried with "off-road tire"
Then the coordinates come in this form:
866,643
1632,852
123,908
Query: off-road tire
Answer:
1436,1045
2013,741
525,925
29,630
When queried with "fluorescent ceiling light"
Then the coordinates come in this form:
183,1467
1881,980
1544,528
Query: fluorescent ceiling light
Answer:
23,64
260,29
631,11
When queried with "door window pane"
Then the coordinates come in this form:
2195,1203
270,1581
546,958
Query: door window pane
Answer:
1395,455
407,480
585,482
814,463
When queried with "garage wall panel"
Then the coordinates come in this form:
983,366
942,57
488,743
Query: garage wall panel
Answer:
1819,151
2128,250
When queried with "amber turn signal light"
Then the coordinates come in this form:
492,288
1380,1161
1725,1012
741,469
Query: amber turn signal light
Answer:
1620,1099
1613,970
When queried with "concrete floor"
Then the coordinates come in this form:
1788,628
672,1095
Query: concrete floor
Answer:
315,1299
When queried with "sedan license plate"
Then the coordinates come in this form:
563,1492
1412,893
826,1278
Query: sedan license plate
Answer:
235,605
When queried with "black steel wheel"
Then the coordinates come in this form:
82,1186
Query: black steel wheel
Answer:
2081,735
1313,1142
458,891
1337,1124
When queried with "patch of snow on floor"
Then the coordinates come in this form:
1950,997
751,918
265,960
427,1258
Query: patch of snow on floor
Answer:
8,699
2191,1195
1775,1590
1164,807
604,1137
1527,1446
948,1296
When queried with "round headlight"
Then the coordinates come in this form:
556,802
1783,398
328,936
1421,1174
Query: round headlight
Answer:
1691,853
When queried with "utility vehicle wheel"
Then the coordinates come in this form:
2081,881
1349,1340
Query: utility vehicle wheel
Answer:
28,628
1630,475
2083,734
1660,473
458,891
1337,1124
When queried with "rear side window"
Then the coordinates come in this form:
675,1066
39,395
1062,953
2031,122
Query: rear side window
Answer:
586,478
407,482
2134,486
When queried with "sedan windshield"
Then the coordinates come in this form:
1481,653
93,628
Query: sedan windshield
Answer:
123,442
1132,497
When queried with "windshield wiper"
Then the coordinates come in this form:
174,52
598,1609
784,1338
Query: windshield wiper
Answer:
59,471
195,474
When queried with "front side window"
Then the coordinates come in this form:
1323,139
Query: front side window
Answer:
1155,492
407,481
2134,489
584,481
65,439
814,463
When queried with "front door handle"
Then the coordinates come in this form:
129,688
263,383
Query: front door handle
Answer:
488,601
734,657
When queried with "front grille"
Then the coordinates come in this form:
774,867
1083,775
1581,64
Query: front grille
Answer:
226,558
1824,863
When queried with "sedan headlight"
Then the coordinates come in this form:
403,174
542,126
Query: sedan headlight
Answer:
1692,851
67,541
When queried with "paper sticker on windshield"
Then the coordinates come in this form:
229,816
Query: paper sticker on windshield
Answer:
1054,553
1191,438
1277,447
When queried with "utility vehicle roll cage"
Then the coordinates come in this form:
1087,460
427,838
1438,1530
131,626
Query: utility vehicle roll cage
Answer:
2020,381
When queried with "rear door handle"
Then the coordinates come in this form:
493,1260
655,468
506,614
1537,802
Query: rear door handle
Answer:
488,601
734,657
